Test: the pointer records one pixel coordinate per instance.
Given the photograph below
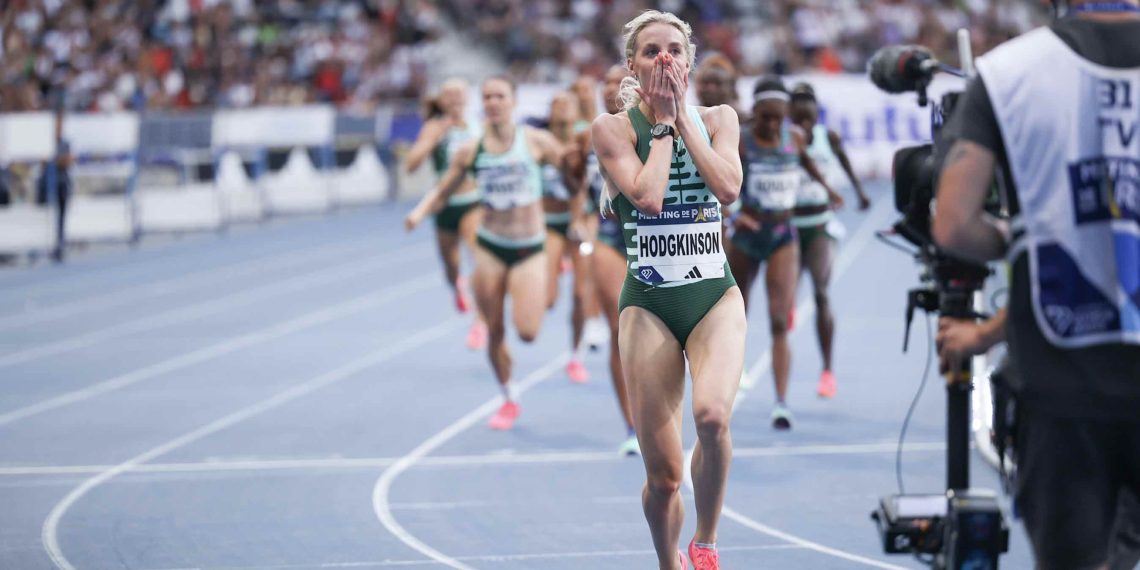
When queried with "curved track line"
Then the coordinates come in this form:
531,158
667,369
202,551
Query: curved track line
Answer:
383,487
50,531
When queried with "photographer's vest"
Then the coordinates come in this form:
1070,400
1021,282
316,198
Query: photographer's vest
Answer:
1072,132
772,176
683,243
442,154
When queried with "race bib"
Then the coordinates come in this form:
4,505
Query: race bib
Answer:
552,184
682,243
773,190
505,186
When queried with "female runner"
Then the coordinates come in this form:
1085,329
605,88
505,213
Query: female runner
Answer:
445,129
773,153
669,167
815,221
509,257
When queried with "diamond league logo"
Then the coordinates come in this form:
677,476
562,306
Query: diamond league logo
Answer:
646,273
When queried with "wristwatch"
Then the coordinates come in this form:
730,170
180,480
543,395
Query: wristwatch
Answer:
661,130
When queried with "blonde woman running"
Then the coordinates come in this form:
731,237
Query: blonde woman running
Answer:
607,260
509,257
669,168
443,132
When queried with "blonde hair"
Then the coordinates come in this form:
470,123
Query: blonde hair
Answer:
456,83
627,92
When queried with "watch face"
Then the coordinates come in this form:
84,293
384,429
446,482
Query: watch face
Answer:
660,130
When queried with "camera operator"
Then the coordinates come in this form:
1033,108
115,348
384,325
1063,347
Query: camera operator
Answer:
1056,111
962,338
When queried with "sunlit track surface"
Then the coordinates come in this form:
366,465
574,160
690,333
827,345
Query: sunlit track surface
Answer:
235,400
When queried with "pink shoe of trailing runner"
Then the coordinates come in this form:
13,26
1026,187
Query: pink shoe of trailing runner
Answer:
504,419
826,388
577,372
477,336
461,302
704,557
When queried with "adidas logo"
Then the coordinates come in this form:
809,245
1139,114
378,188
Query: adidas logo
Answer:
694,274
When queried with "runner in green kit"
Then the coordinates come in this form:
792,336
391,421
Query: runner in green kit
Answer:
560,200
668,168
815,220
607,257
442,133
509,258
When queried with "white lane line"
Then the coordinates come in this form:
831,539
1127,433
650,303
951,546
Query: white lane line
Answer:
309,320
807,544
805,310
380,503
35,313
236,300
50,531
487,460
487,558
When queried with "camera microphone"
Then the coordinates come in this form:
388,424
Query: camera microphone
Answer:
898,69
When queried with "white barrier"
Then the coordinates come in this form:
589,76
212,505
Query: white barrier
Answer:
297,188
103,217
26,227
99,218
192,207
241,199
27,137
310,125
365,181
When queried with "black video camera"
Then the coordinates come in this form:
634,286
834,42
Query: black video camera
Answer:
962,528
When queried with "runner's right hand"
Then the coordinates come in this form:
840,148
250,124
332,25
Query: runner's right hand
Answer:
659,93
412,220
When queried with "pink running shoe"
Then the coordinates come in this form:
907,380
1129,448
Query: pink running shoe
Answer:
477,336
577,372
704,558
461,303
684,563
504,419
826,388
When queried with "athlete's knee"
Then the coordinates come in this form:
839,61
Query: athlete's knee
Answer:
665,482
778,325
528,336
822,300
496,332
712,421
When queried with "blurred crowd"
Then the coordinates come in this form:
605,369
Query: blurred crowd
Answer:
162,54
173,54
554,40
